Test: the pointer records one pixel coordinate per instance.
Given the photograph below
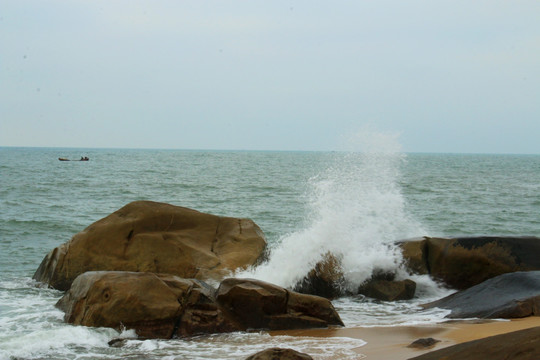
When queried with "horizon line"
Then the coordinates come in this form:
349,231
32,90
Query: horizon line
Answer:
252,150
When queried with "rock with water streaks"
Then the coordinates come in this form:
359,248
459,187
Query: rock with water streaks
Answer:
146,236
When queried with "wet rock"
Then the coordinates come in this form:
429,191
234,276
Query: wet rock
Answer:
326,279
387,290
464,262
518,345
117,342
423,343
279,354
266,306
152,304
146,236
164,306
415,255
512,295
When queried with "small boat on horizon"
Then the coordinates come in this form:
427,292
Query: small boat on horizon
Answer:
83,158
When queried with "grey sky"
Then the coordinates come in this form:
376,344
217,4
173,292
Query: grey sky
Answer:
448,76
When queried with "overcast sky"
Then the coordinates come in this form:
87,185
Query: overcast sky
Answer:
447,76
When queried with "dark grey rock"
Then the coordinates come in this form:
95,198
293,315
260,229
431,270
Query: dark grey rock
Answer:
423,343
279,354
512,295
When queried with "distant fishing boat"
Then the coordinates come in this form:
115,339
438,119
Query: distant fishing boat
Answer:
85,158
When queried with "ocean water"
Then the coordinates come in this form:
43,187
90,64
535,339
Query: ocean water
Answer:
355,204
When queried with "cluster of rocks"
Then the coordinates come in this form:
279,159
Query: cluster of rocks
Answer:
166,306
459,263
162,270
149,267
498,277
464,262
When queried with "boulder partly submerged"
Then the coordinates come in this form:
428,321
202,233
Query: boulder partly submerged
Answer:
146,236
513,295
464,262
166,306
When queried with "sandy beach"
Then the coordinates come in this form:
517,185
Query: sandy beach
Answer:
390,343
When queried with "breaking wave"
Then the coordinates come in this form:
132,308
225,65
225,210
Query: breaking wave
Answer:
356,212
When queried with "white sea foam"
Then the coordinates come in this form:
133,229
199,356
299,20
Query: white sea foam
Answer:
357,212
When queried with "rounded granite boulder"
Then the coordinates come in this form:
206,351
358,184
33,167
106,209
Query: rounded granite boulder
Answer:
146,236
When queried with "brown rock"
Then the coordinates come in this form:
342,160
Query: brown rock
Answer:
155,305
252,301
262,305
415,255
279,354
464,262
140,301
163,306
388,290
315,307
146,236
518,345
326,279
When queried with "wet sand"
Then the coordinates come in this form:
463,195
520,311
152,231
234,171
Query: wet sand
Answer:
390,343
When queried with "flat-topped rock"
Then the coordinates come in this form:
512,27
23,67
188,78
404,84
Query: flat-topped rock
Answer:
146,236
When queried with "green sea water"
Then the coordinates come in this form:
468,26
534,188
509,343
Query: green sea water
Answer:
305,203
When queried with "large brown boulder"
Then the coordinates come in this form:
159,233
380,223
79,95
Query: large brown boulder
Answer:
517,345
513,295
163,306
155,305
464,262
146,236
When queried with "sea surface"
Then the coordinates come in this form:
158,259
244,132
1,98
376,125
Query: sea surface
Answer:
307,203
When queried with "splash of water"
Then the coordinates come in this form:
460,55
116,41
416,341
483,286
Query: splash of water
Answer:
357,212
